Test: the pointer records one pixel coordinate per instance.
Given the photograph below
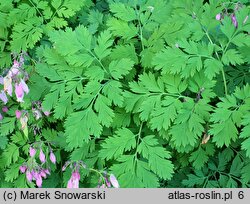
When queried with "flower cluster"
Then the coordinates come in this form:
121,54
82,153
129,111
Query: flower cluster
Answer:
108,181
75,175
105,181
36,174
16,78
37,110
34,170
220,16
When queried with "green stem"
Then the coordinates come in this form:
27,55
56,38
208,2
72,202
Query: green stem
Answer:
222,70
138,140
140,28
101,176
37,10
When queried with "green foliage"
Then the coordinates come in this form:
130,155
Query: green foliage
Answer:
155,92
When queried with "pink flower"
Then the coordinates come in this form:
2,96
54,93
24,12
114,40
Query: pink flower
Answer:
218,17
42,156
32,152
114,181
16,64
5,109
22,168
18,114
39,181
3,97
43,174
70,184
34,174
19,92
24,86
52,157
47,113
74,180
1,116
234,21
102,186
47,171
29,176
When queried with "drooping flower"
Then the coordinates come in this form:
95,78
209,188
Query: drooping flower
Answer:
39,181
234,20
16,64
70,184
18,114
114,181
19,92
74,180
24,86
29,176
3,97
22,169
1,116
14,69
43,174
218,17
52,157
32,152
7,83
42,156
34,174
5,109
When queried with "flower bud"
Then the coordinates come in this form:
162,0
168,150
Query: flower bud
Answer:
19,92
32,152
47,113
5,109
15,64
3,97
42,156
43,174
234,21
22,168
218,17
29,176
114,181
70,184
52,157
18,114
24,86
39,181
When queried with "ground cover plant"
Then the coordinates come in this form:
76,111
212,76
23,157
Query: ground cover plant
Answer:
124,93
